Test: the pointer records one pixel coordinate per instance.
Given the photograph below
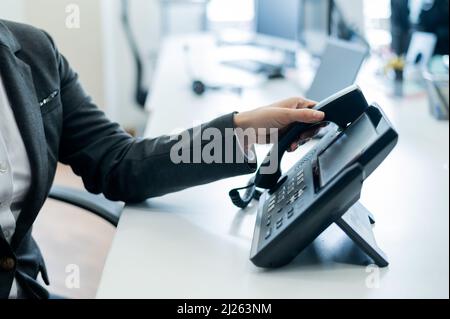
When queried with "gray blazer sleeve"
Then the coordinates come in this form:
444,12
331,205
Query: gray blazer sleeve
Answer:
120,166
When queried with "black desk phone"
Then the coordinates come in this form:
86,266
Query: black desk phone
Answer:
324,187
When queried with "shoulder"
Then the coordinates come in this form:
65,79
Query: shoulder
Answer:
35,47
29,38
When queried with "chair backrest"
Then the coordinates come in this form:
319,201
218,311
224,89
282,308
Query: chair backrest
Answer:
96,204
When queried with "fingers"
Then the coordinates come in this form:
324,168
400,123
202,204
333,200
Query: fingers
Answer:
305,116
307,104
302,140
293,147
296,103
291,103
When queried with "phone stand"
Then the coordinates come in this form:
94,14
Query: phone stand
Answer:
357,224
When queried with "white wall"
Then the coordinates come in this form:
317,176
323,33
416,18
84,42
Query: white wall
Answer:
97,50
82,46
118,62
146,18
12,10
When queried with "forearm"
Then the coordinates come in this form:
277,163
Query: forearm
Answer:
155,167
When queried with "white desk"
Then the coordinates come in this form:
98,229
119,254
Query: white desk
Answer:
195,244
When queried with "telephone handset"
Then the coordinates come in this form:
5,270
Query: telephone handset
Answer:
343,108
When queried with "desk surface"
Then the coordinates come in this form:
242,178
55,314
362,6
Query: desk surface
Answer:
195,244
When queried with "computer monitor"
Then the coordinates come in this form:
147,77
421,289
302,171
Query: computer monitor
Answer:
339,68
278,23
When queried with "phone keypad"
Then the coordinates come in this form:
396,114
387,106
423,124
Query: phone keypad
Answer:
280,208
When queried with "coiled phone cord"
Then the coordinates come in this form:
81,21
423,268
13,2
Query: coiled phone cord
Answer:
251,193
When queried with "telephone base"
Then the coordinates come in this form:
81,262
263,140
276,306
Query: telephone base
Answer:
357,224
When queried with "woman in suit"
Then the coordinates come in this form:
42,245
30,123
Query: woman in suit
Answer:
46,117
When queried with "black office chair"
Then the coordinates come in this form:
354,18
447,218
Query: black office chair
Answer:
96,204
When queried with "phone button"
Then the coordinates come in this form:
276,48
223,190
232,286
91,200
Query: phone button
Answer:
279,223
272,201
290,213
268,233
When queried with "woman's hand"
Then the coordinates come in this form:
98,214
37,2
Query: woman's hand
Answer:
278,116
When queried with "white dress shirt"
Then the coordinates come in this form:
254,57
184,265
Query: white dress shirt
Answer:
15,172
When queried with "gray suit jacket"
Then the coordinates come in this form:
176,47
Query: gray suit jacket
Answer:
69,128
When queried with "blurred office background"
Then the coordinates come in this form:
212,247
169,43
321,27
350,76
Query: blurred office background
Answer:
105,52
99,50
